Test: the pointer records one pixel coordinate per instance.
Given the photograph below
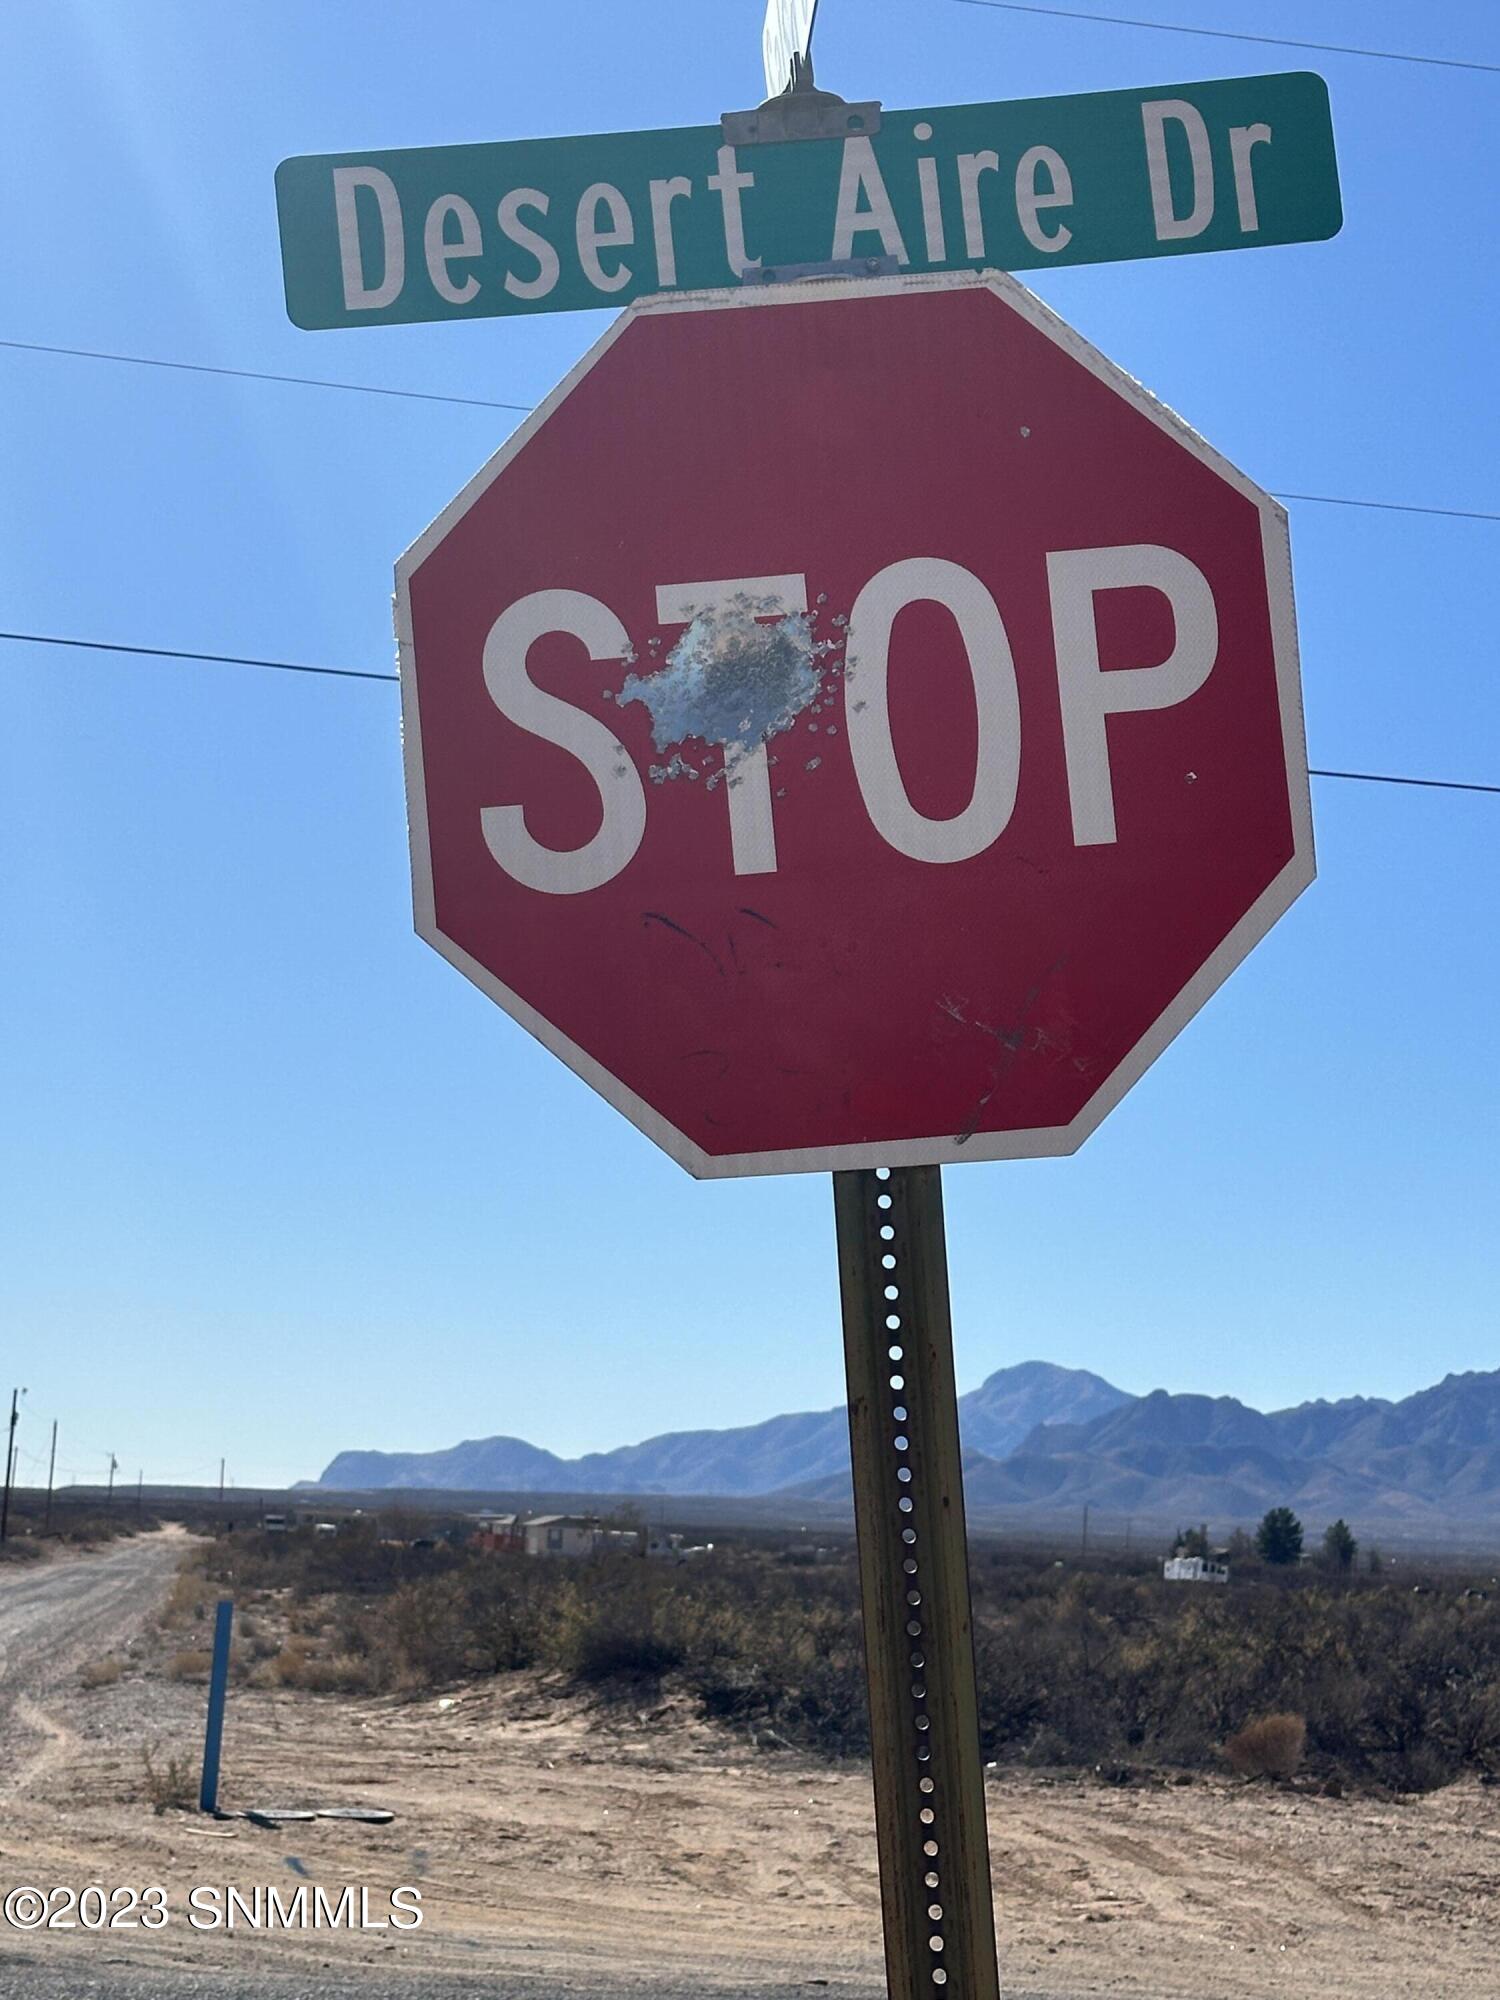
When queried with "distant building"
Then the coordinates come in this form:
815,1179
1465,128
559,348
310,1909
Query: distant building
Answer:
561,1535
496,1534
492,1533
1194,1569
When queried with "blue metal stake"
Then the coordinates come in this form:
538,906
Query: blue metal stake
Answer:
218,1687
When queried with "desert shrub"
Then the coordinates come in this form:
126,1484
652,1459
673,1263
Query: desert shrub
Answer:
622,1652
188,1599
285,1666
35,1522
1398,1689
365,1559
193,1664
170,1786
102,1673
424,1628
505,1626
1272,1746
338,1673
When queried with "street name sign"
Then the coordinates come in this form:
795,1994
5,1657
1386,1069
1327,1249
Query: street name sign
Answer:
557,225
853,724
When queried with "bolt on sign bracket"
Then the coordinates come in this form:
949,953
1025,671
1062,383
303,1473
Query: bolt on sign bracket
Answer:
914,1578
801,111
800,114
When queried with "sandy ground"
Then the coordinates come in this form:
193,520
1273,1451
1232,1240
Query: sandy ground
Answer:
585,1847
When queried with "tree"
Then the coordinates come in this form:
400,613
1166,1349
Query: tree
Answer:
1339,1546
1279,1536
1192,1542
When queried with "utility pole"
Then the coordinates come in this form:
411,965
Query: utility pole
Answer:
139,1477
109,1497
221,1482
10,1460
1084,1548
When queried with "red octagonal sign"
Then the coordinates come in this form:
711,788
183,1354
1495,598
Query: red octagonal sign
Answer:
853,725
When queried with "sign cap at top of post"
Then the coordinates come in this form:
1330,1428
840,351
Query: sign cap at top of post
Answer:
786,42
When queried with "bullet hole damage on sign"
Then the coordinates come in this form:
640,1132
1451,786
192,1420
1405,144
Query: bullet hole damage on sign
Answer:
735,678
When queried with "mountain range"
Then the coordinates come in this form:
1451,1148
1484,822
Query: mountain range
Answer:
1045,1440
782,1452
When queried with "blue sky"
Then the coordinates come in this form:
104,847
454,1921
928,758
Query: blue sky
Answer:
280,1181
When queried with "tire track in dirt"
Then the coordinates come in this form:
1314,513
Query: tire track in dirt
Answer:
54,1619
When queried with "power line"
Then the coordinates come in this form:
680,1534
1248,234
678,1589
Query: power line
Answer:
482,403
258,375
1234,35
363,674
215,659
1393,506
1384,778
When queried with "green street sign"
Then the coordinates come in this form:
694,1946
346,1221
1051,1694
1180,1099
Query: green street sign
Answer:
561,225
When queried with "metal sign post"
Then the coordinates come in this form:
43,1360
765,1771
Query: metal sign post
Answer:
914,1577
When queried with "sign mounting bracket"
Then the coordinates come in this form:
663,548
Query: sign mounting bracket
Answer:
840,267
801,111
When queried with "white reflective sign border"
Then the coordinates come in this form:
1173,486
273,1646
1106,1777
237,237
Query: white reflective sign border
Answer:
788,31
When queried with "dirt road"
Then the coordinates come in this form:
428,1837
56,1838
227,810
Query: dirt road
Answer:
54,1618
631,1848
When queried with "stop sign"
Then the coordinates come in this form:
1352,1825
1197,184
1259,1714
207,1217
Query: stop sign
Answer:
853,724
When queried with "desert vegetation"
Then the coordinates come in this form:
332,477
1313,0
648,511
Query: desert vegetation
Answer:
1354,1680
167,1782
1351,1679
35,1533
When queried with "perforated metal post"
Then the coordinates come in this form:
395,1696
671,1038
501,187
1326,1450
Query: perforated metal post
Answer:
914,1574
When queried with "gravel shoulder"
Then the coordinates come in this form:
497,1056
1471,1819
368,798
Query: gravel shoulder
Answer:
615,1849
